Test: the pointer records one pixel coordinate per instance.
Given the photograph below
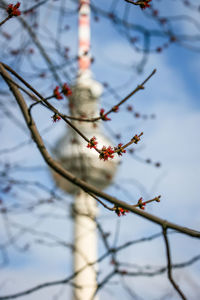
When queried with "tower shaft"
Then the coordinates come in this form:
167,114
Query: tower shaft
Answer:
84,163
84,35
85,238
85,247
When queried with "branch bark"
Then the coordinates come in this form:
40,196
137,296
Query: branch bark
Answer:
169,266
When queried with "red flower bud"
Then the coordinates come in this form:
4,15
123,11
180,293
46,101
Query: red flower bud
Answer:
104,116
66,90
57,94
56,118
92,143
106,153
13,10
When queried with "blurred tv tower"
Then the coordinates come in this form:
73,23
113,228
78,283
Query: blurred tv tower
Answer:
74,155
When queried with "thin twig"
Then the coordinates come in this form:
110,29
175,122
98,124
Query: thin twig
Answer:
5,20
169,265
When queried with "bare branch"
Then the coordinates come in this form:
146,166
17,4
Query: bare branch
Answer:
169,265
82,184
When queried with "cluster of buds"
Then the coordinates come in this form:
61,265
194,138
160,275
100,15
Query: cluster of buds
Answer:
119,149
136,138
56,118
103,115
57,94
120,211
106,153
141,204
66,90
143,3
13,10
92,143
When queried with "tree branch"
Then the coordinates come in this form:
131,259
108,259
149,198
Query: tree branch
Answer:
69,176
169,265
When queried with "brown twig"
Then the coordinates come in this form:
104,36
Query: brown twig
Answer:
169,265
139,87
5,20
